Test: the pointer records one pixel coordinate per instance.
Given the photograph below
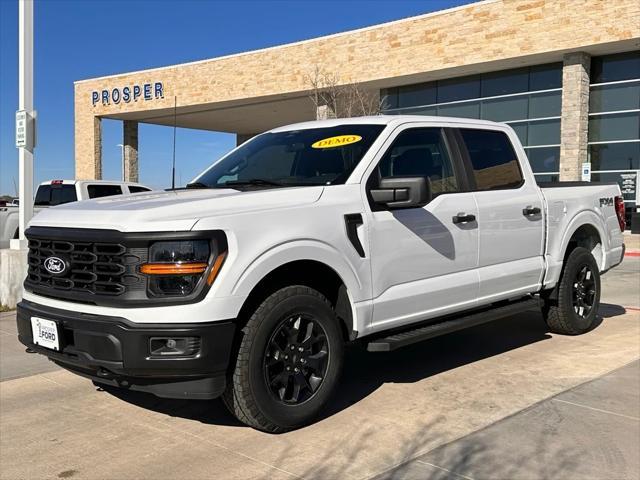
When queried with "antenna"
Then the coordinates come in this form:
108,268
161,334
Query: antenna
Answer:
15,187
173,164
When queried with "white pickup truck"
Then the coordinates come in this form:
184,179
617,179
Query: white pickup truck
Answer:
248,283
58,192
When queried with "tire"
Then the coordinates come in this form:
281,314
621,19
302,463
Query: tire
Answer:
289,361
575,309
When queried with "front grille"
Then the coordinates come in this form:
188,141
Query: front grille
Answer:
94,268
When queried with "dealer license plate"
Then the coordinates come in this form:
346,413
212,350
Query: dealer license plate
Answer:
45,333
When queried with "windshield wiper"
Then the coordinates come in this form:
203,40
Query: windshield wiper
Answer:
254,181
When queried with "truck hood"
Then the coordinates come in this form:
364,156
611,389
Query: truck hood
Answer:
170,210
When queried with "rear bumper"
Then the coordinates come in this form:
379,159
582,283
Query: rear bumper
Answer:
116,351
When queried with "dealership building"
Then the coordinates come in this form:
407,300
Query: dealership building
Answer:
565,74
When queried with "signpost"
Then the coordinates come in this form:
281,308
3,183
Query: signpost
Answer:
25,124
586,172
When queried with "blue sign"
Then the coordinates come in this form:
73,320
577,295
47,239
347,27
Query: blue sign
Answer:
128,94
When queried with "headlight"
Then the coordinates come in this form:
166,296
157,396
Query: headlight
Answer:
175,268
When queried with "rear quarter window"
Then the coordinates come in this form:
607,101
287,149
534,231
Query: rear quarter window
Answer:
97,191
137,189
493,159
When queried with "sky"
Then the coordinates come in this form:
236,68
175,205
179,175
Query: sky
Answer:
81,39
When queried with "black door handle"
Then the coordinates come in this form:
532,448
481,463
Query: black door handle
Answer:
529,211
463,218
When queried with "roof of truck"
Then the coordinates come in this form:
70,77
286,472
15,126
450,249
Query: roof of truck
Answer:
74,182
383,120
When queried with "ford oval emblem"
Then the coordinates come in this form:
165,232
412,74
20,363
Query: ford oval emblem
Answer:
55,265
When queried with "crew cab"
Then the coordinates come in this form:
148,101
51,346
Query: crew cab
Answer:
248,283
58,192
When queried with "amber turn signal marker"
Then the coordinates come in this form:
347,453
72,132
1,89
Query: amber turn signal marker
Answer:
173,268
216,268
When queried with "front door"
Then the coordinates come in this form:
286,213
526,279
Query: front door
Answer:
423,260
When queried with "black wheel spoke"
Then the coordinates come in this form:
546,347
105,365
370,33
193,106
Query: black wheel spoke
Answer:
296,359
317,361
584,292
314,382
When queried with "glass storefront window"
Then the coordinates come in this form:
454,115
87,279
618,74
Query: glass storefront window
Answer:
616,97
506,82
544,132
522,130
545,159
618,126
614,68
423,94
615,156
545,77
504,109
389,98
464,110
543,105
456,89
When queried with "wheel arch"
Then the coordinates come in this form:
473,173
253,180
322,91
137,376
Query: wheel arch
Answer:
311,273
309,263
585,232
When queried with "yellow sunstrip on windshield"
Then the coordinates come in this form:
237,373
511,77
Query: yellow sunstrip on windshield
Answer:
339,141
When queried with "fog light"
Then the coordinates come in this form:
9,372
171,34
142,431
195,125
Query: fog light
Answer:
174,346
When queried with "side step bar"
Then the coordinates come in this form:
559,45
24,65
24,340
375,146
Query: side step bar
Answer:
407,337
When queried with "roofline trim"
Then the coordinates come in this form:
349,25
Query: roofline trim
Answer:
300,42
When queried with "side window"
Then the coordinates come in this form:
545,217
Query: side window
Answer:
421,152
137,189
493,159
97,191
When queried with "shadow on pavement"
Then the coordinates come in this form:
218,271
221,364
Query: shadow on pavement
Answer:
365,372
608,310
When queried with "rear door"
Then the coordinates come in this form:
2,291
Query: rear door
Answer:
510,214
423,260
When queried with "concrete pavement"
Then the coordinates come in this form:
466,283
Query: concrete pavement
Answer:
503,400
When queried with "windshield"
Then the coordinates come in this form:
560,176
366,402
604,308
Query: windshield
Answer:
315,156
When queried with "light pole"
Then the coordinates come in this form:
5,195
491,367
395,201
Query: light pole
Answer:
122,158
25,123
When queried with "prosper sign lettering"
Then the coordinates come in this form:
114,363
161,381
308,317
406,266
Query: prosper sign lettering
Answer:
128,94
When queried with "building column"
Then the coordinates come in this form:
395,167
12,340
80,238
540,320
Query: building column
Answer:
574,124
88,143
130,150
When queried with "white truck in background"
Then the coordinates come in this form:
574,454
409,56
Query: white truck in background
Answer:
248,283
59,192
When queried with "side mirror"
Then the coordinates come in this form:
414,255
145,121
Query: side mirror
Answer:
402,192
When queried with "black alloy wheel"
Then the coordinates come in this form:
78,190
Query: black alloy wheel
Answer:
289,361
296,360
571,308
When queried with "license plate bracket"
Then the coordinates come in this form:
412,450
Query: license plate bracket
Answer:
46,333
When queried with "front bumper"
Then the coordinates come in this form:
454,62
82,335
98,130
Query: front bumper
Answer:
116,351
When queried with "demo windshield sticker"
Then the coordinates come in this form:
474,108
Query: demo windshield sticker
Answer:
339,141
